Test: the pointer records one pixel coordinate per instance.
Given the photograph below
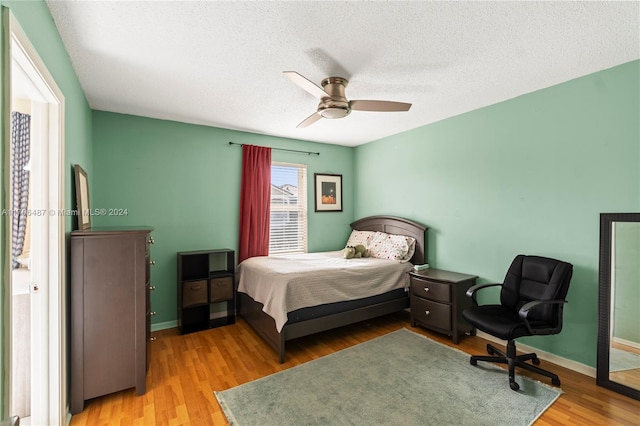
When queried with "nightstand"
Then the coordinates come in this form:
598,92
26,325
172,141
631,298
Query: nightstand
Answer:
437,300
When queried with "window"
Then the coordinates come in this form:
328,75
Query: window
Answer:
288,223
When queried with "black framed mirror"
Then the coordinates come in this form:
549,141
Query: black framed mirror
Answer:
618,365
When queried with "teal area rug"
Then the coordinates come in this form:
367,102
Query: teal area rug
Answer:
401,378
620,360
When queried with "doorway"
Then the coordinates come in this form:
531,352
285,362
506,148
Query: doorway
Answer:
36,343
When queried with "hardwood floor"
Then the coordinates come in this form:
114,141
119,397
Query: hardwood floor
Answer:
186,370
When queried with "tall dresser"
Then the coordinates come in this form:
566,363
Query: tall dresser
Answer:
110,312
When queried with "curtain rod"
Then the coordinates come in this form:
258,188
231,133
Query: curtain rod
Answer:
282,149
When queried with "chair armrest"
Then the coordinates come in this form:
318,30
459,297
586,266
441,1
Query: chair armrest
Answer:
523,313
471,290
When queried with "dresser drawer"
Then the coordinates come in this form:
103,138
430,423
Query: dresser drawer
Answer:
431,290
221,289
431,314
194,293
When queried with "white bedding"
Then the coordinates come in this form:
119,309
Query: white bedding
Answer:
286,283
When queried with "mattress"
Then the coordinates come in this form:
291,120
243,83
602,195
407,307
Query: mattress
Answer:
284,284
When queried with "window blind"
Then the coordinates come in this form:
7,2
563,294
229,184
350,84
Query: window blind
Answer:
288,214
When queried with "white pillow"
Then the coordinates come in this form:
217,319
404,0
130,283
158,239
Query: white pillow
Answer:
412,249
360,237
393,247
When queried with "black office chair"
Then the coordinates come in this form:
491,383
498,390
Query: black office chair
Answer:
531,301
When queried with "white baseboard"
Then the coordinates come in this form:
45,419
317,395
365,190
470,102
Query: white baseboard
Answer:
629,343
546,356
164,325
174,324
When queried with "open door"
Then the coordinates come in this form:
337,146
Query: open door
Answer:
34,349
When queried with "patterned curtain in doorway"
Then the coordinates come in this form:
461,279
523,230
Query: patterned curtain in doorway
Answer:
20,137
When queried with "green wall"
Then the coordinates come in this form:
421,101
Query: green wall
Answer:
184,180
529,175
38,25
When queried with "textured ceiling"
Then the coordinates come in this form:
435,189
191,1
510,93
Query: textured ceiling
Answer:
220,63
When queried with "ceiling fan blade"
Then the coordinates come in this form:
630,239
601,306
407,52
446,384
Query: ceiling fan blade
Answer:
309,120
382,106
306,84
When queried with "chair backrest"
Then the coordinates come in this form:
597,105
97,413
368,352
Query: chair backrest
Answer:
537,278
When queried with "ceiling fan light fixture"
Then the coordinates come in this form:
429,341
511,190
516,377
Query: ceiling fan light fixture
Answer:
334,112
331,108
333,101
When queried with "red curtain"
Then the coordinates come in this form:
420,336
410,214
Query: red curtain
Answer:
255,199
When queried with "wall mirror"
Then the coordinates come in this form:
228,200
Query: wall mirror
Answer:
82,198
618,366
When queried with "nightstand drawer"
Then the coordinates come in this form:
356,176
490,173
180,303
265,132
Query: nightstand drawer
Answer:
431,290
221,289
194,293
430,313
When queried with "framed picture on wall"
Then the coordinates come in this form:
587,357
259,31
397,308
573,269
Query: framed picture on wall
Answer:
328,191
82,198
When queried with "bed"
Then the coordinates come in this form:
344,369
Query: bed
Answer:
325,316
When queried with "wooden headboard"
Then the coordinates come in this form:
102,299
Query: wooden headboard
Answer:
397,226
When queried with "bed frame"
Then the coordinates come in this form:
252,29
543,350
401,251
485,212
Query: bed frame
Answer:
265,326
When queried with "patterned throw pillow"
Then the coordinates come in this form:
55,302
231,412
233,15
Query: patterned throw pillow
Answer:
360,237
393,247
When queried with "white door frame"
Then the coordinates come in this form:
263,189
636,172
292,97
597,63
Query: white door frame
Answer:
49,346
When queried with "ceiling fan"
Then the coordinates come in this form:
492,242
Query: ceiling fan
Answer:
333,102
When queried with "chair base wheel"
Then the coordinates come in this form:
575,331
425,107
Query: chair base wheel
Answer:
514,361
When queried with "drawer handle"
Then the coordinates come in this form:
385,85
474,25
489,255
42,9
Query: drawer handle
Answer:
152,339
152,288
152,313
195,287
427,312
426,289
152,262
